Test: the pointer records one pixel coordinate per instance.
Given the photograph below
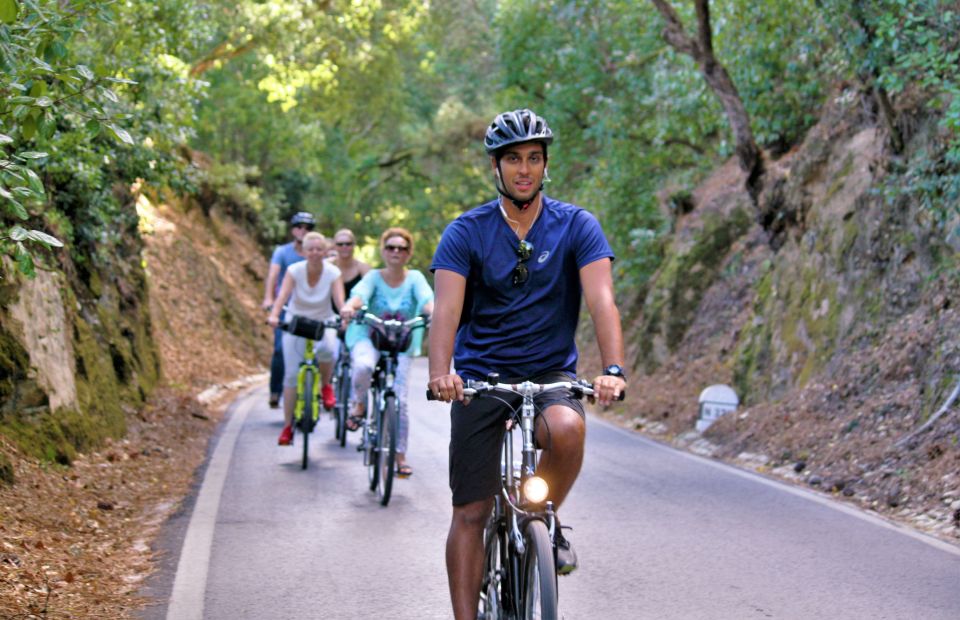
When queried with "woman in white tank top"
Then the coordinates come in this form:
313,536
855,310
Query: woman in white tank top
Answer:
307,290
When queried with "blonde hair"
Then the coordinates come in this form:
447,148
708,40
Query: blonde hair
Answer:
397,231
345,231
314,235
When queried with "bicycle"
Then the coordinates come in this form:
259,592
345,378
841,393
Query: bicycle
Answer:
520,538
379,438
342,384
306,412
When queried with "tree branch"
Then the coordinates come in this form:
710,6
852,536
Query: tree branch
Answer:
223,51
701,50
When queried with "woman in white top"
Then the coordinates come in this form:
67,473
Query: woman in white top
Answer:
309,286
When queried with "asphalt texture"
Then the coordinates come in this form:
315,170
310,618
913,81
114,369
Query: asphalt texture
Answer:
659,534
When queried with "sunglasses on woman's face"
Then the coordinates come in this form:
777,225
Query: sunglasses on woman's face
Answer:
344,244
396,248
520,273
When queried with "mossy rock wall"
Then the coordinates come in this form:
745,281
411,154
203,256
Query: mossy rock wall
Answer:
857,258
689,269
75,358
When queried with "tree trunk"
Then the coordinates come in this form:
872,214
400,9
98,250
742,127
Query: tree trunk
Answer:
701,50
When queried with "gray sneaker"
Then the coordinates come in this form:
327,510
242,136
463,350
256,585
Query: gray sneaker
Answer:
566,556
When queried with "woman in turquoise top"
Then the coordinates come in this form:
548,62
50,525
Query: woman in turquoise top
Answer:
392,292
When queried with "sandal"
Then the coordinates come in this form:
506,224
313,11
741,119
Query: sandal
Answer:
354,422
404,471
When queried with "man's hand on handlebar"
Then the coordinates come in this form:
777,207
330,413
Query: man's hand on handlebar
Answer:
447,387
608,388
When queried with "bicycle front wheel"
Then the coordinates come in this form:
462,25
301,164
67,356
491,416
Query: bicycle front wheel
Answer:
539,574
371,438
306,415
342,410
495,589
387,448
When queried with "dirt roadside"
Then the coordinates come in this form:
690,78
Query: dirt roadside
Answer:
75,542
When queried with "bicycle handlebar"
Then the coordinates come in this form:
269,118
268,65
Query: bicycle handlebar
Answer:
580,388
368,317
305,327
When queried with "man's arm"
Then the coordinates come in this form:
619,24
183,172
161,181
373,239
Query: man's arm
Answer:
286,288
596,279
271,285
447,305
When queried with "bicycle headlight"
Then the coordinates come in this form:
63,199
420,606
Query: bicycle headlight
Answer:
535,489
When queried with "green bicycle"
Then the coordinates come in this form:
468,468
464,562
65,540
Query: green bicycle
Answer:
306,411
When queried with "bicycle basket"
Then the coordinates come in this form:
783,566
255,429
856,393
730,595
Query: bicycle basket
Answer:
305,328
391,340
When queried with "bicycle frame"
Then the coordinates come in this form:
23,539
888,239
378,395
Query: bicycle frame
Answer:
309,364
308,375
382,419
512,542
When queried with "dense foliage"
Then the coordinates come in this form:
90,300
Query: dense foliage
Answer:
370,112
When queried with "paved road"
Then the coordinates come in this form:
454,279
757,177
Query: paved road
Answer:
660,534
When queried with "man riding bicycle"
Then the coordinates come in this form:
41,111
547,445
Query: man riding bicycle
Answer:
283,256
508,278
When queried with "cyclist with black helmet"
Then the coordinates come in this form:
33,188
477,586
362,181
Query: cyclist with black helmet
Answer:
283,256
509,276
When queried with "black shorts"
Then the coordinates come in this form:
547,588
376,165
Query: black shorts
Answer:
476,434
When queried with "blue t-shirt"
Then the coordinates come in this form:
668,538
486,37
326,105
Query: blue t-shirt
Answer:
526,330
402,303
284,255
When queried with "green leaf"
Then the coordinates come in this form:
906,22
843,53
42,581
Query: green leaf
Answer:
44,102
5,139
109,94
33,180
8,11
28,128
44,238
93,126
120,133
38,89
85,72
13,205
18,233
31,155
58,50
47,126
117,80
42,64
25,261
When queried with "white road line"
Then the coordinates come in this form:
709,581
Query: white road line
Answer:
190,583
799,492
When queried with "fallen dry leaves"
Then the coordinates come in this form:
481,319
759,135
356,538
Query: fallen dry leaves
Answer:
74,541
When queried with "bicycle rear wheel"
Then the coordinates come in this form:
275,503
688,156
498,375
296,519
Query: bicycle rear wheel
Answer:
387,448
539,574
306,414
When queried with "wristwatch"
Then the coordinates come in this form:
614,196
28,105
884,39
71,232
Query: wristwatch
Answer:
615,370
